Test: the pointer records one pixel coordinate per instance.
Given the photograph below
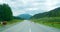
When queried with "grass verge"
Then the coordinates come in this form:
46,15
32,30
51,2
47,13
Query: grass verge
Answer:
14,21
51,21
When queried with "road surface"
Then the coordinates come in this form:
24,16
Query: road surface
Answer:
28,26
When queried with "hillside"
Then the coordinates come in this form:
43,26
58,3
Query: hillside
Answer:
50,18
25,16
52,13
19,18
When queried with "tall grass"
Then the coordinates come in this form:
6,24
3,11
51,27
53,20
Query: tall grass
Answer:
50,21
14,21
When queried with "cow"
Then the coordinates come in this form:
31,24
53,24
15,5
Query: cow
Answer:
4,22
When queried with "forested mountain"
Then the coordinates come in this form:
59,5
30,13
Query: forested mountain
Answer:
25,16
16,17
52,13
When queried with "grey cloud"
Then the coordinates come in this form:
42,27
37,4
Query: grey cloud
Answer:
20,5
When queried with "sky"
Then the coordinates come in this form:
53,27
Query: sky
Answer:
31,7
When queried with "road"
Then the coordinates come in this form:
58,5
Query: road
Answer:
28,26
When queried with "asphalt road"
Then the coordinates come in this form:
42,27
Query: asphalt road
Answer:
29,26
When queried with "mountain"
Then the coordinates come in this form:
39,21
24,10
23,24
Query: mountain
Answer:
25,16
16,17
52,13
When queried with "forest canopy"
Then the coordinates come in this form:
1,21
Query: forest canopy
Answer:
5,12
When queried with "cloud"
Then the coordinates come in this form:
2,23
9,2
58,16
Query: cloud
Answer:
15,13
31,6
1,1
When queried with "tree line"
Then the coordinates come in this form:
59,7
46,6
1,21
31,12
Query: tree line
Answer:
5,12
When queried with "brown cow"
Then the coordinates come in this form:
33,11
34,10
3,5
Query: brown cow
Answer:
4,22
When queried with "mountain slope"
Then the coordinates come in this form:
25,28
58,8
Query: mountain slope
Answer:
51,18
25,16
52,13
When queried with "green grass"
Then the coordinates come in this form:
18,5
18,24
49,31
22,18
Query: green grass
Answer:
51,21
14,21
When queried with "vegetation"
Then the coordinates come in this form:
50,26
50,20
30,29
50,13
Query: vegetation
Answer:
25,16
14,21
50,21
5,12
52,13
6,15
19,18
51,18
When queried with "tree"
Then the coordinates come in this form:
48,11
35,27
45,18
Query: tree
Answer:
6,13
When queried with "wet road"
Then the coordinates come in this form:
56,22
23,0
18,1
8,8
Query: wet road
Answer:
28,26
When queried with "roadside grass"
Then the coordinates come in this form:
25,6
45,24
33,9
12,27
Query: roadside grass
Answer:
14,21
49,21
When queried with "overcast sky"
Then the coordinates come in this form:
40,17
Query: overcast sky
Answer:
31,6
